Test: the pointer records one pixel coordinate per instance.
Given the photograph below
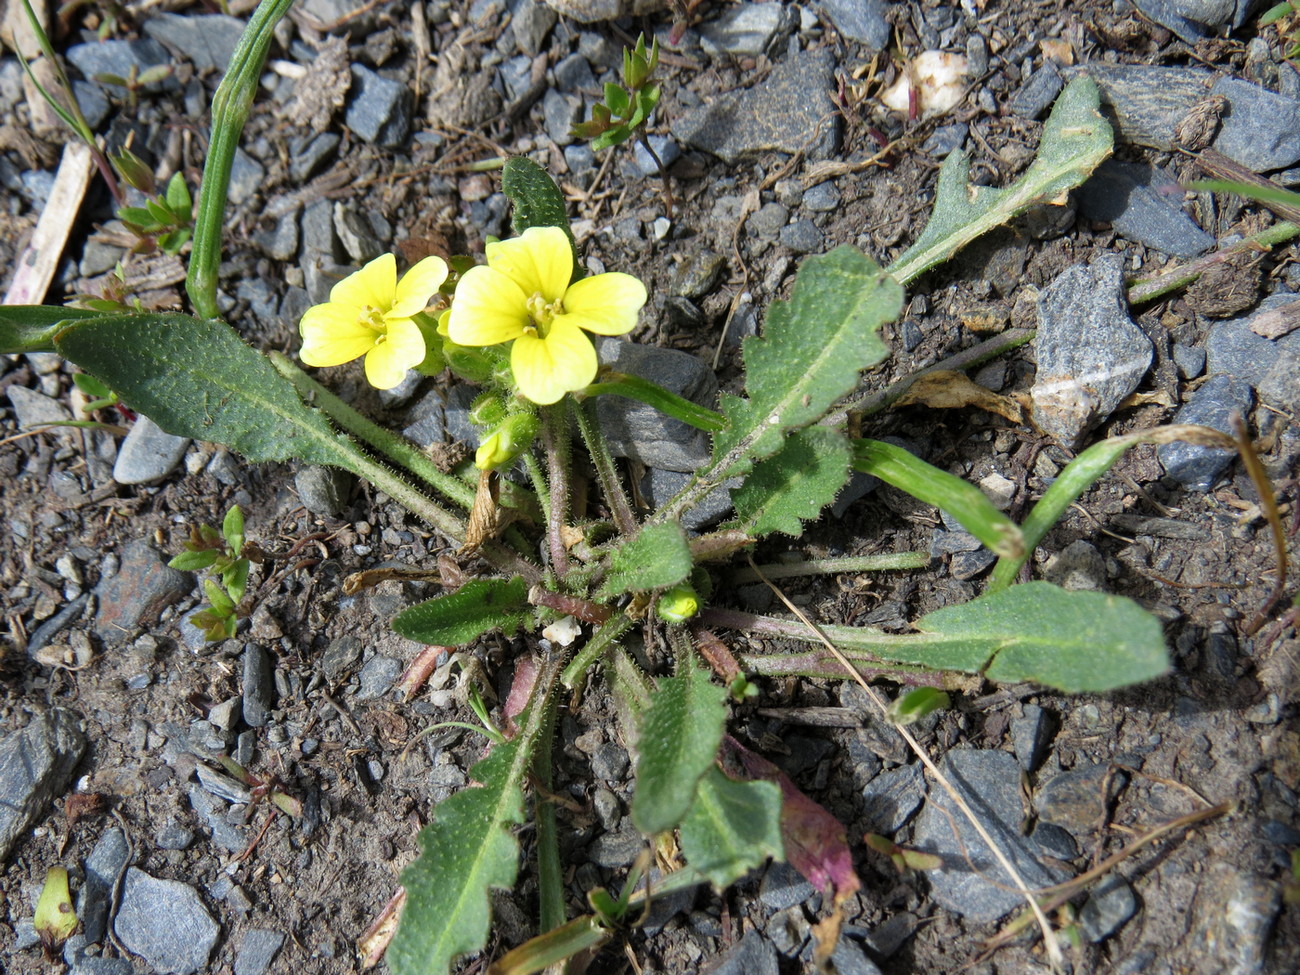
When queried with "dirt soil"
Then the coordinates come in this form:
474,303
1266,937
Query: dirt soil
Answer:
1219,728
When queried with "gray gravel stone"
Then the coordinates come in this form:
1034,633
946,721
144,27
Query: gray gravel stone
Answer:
617,849
822,198
258,685
94,105
657,487
174,836
748,28
1194,466
642,432
1074,800
1261,129
1191,20
32,409
119,58
379,110
859,20
1079,566
752,955
1136,200
207,41
1037,94
802,237
783,886
104,865
257,951
665,148
309,155
946,139
1236,913
324,490
767,221
148,454
1280,386
573,74
377,676
890,799
143,586
530,22
91,965
849,959
785,113
1090,354
1030,734
1146,102
971,882
340,657
246,177
560,111
1106,910
165,922
967,565
1190,360
212,811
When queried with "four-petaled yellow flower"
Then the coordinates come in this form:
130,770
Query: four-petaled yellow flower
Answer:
369,314
523,295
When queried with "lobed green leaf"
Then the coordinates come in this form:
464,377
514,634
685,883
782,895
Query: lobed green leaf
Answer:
1076,138
537,201
795,484
809,355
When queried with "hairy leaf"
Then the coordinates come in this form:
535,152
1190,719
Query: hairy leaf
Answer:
31,328
197,378
469,612
679,739
795,484
1075,140
537,201
657,557
466,851
732,827
1072,641
809,355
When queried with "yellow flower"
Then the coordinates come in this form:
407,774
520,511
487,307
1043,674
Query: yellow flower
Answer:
523,295
369,314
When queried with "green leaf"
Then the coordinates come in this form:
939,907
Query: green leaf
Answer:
193,561
794,485
178,196
1075,140
196,378
235,579
537,201
810,354
732,827
464,615
232,529
1074,641
222,605
617,99
31,328
659,556
679,739
615,136
466,851
961,499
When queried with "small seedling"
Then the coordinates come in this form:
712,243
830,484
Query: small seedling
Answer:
166,219
222,554
626,109
903,858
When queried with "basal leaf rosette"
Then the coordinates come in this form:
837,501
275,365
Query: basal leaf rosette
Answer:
371,313
523,295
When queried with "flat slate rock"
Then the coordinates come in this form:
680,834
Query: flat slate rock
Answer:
641,432
782,114
1146,102
148,454
165,923
860,20
143,586
104,865
257,951
1135,199
1090,354
208,41
971,881
752,955
35,765
590,11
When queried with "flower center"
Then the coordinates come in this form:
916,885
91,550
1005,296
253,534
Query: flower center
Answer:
373,318
541,313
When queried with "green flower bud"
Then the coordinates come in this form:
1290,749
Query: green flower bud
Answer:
678,604
487,411
507,442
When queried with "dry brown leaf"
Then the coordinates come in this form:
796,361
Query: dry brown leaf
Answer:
947,390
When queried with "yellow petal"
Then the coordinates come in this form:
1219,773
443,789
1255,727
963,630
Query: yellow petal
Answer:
540,261
418,286
333,335
374,285
402,349
606,304
546,369
488,309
